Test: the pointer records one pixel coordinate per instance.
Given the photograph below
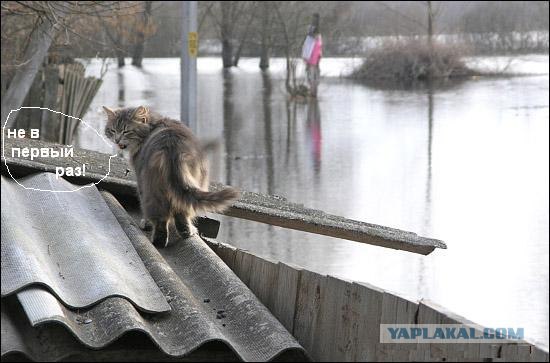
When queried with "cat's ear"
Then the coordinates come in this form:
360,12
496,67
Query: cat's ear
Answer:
110,113
141,114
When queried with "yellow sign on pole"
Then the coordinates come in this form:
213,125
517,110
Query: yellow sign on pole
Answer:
193,43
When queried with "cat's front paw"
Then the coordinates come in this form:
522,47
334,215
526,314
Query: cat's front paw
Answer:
188,232
160,241
159,236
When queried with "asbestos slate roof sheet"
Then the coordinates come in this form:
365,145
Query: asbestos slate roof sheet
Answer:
207,301
53,342
44,344
72,244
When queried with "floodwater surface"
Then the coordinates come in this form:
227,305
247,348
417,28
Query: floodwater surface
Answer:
467,164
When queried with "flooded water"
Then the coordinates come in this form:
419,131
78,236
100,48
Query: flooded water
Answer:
467,164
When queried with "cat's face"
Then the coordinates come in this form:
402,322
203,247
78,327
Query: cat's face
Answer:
127,127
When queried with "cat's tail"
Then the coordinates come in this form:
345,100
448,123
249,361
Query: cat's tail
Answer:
188,196
217,201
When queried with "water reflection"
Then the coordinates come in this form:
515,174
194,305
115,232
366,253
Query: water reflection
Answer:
423,286
427,219
228,121
267,92
268,137
290,129
314,130
121,89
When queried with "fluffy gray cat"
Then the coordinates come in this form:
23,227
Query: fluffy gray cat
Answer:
171,170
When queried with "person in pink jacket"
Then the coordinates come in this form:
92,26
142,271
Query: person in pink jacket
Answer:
317,51
312,52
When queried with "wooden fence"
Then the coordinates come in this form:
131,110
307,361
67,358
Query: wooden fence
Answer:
338,320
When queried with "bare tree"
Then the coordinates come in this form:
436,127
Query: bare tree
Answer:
292,25
137,57
126,28
430,26
114,33
39,24
245,33
49,19
227,16
266,36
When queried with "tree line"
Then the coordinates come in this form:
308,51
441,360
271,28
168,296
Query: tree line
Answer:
35,33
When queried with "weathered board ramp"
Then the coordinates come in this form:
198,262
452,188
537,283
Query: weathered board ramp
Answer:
338,320
272,210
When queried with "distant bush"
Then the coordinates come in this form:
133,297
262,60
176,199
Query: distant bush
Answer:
411,61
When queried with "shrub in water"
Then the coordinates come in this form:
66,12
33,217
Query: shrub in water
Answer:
411,61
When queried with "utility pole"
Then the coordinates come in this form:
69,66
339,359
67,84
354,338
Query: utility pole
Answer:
188,64
430,28
430,38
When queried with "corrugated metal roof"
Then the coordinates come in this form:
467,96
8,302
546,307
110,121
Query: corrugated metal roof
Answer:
208,302
45,344
66,242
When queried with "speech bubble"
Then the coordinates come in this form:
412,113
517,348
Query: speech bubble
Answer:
61,113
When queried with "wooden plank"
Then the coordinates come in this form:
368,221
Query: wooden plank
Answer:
396,310
407,310
487,351
325,345
538,354
225,252
275,285
368,305
279,212
243,265
422,353
510,353
471,352
346,324
263,281
524,353
50,120
307,320
336,337
286,293
34,98
439,315
407,313
428,315
357,316
252,206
